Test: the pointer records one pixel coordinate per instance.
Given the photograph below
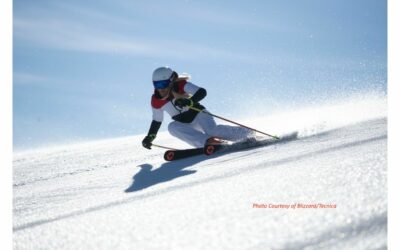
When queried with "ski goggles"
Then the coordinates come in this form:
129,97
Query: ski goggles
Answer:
161,84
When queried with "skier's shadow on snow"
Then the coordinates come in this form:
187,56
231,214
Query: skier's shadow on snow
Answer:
168,171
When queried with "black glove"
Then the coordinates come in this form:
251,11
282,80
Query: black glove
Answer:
183,102
147,141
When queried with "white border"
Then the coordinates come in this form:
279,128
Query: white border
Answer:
393,124
6,124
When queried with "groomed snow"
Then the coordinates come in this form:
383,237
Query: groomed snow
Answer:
113,194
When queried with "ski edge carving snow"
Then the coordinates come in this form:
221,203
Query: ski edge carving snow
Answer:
172,155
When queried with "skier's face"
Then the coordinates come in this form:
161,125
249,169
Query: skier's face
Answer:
163,92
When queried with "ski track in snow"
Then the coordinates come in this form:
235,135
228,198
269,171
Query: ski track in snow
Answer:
114,194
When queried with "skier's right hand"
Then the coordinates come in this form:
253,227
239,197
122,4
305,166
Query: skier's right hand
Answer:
147,141
183,102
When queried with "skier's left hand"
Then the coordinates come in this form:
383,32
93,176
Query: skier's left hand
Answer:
148,140
183,102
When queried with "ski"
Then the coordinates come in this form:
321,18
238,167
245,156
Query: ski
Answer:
211,149
172,155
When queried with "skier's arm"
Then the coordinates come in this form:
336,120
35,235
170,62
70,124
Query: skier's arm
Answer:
154,127
199,95
151,135
197,92
158,116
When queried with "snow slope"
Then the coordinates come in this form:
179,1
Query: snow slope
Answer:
113,194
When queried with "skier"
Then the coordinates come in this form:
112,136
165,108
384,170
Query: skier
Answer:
176,95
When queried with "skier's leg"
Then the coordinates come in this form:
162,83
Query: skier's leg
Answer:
187,133
231,133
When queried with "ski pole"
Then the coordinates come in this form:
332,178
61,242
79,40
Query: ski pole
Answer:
160,146
222,118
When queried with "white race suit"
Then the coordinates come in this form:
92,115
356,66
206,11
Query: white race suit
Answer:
191,126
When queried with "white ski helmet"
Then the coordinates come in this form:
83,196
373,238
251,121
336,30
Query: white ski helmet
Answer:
163,76
162,73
